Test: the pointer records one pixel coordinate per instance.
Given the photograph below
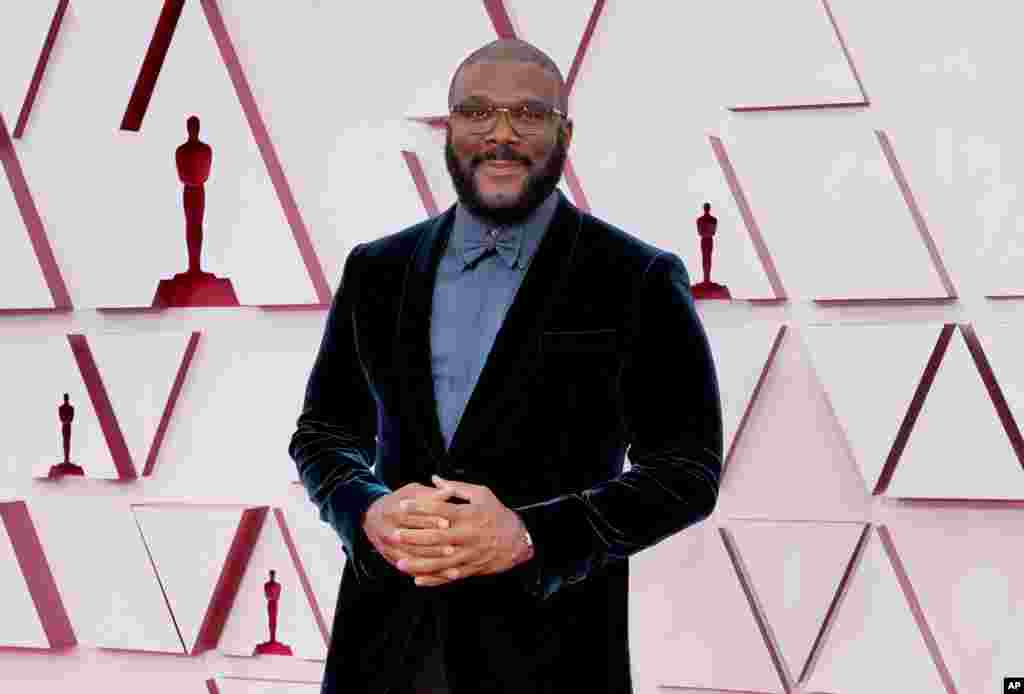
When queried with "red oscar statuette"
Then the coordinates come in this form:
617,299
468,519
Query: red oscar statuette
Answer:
194,287
272,591
706,289
66,413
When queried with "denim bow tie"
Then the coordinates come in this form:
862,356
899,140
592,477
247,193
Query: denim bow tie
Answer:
474,246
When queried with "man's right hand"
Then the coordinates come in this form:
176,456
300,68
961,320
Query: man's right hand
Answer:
386,517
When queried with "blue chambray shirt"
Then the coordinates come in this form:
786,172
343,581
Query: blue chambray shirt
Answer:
470,303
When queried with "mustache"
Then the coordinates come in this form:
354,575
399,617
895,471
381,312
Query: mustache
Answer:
502,152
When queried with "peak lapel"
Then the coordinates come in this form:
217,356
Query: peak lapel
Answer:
414,381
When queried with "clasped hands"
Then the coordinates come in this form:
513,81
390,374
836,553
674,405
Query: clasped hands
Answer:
436,541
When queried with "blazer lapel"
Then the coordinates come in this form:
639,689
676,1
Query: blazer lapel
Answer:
516,347
414,381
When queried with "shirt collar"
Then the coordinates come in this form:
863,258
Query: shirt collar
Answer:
527,235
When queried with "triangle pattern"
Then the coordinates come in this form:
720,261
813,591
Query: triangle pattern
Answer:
140,390
116,598
874,627
871,397
767,476
21,625
189,547
27,256
1003,343
35,444
247,624
796,570
741,355
240,195
275,353
686,640
814,70
842,183
958,448
735,259
557,30
22,36
972,604
246,227
320,551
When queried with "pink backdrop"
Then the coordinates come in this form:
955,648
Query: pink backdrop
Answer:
863,161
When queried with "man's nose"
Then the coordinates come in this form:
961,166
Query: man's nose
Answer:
503,130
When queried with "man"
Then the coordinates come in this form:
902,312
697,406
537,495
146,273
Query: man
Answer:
487,550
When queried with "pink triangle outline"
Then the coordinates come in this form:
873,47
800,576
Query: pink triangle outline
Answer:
999,404
34,226
100,399
753,229
755,393
862,103
771,642
226,588
35,569
412,161
300,569
927,239
142,92
40,69
914,603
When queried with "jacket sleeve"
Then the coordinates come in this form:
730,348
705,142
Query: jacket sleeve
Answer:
672,408
334,442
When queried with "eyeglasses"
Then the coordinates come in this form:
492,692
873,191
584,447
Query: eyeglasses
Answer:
525,120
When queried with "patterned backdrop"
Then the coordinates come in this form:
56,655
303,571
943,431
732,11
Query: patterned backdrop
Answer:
862,158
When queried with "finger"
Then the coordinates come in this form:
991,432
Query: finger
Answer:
463,490
431,580
431,551
463,536
416,520
435,506
415,536
428,494
418,566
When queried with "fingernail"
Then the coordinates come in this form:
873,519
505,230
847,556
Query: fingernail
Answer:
443,523
405,504
397,535
449,550
452,573
403,563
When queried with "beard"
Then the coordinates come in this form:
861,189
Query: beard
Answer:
537,186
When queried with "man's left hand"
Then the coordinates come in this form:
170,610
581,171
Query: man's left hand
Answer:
486,535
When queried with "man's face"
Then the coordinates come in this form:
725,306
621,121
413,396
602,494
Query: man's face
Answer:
502,175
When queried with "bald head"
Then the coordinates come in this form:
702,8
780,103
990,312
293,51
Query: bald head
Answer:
512,50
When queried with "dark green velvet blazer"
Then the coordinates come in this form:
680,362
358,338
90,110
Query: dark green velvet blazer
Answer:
601,352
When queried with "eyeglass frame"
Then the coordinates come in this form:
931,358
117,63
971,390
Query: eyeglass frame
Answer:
508,112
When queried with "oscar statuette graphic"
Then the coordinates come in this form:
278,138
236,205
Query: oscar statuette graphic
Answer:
706,289
194,287
272,591
66,413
